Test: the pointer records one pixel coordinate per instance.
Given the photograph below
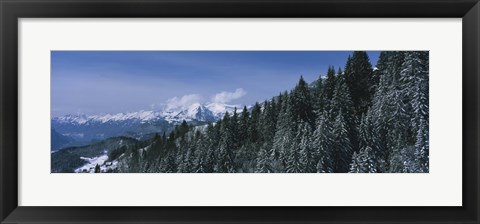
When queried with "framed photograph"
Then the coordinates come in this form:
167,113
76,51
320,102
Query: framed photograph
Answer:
239,111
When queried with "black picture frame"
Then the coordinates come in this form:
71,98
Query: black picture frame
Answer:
12,10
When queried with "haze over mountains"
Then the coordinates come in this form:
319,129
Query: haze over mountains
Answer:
80,129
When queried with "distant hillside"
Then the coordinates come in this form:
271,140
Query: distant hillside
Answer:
69,159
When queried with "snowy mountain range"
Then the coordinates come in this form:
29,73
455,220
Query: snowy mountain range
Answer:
82,129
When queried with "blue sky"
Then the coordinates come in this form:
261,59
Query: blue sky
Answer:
96,82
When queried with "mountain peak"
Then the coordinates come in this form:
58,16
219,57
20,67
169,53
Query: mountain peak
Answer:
219,109
194,112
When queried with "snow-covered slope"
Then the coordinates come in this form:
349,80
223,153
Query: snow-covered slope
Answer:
195,112
219,109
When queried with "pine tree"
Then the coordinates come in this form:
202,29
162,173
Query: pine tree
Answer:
323,143
170,163
97,169
389,113
307,160
368,137
319,98
301,103
422,148
209,163
181,166
342,149
342,102
253,126
358,77
293,163
244,125
268,121
400,117
329,88
225,159
364,161
200,155
402,159
263,160
414,76
234,130
283,138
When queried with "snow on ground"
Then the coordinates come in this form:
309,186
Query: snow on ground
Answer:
92,162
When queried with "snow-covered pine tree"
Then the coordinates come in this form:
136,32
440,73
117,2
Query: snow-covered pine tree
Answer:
358,77
414,76
402,159
234,130
329,87
209,163
368,137
268,121
182,167
319,99
169,164
253,125
388,112
225,159
342,149
294,163
422,147
200,154
244,125
307,160
364,161
263,160
283,138
401,136
323,143
302,103
342,101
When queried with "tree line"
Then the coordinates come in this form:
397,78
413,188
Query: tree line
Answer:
359,119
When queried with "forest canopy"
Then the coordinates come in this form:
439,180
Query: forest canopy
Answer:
356,119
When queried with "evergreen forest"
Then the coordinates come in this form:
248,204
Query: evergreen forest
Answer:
356,119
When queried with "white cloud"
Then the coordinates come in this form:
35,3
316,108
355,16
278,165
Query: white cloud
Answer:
183,102
225,97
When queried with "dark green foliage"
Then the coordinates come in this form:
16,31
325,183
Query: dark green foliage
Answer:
322,143
319,98
302,103
360,81
97,169
117,152
342,147
329,88
307,160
